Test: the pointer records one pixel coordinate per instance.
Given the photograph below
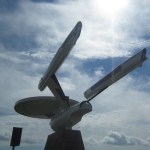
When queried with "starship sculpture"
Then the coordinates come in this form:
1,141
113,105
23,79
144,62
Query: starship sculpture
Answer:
64,112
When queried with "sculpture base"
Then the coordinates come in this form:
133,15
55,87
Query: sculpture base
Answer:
65,140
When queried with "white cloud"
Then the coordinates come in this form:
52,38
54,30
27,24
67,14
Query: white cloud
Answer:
35,131
4,135
98,38
123,106
117,138
67,85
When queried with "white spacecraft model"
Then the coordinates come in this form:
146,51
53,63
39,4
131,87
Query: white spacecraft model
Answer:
64,112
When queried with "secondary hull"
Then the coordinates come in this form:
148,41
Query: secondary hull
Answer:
66,119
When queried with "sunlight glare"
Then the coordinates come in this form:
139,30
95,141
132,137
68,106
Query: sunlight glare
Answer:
110,7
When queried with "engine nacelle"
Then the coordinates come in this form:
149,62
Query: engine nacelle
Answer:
60,56
122,70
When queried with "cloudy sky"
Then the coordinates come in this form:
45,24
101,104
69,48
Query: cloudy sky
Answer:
31,31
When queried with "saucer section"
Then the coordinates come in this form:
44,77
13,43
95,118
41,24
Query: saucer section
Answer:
43,107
